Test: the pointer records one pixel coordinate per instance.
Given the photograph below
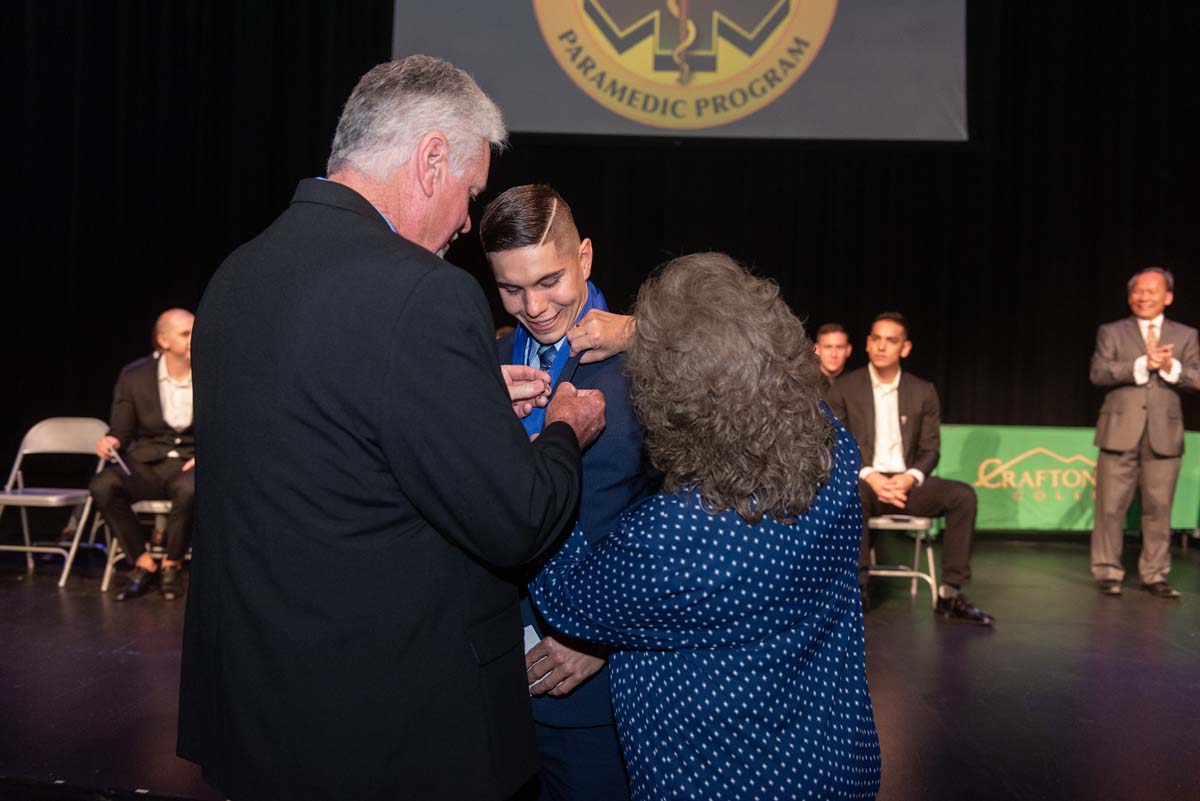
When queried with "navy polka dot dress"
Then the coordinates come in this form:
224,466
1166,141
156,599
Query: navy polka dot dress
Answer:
740,667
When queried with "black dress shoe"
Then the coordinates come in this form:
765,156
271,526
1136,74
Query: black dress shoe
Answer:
959,610
1110,587
865,596
1161,589
172,583
141,581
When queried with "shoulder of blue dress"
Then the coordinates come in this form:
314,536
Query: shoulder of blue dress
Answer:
658,504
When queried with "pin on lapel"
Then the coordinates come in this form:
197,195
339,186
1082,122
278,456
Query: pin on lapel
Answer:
904,419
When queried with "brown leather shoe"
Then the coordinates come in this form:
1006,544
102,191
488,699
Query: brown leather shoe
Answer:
1109,587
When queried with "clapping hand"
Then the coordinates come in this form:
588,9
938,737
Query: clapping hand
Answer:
1159,358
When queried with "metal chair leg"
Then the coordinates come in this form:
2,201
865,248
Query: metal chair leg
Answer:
28,542
114,553
932,572
66,573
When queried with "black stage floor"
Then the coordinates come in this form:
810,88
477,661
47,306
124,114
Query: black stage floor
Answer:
1073,696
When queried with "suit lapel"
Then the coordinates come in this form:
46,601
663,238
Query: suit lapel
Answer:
904,407
868,395
1134,333
151,401
1168,333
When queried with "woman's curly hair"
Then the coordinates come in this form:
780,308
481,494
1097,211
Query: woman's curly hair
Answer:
726,384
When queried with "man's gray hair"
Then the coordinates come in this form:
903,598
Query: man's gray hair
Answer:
398,102
1167,277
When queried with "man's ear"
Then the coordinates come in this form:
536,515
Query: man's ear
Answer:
585,258
433,161
906,349
849,349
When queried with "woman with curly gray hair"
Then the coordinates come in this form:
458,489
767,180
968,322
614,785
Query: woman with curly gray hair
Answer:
731,597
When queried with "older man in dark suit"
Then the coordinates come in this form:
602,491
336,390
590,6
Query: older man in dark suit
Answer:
151,423
348,633
896,419
1145,361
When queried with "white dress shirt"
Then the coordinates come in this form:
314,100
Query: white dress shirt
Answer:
1141,373
175,395
889,444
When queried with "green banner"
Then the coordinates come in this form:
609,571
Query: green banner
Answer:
1044,479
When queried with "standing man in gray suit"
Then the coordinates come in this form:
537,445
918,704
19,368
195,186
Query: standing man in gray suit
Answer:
1146,360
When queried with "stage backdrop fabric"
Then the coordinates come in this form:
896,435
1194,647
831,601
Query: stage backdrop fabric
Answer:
1044,479
791,69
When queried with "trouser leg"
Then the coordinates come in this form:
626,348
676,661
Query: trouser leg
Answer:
1157,478
581,764
181,490
1116,479
956,501
870,507
114,494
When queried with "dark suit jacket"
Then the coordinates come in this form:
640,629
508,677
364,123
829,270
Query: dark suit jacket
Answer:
616,475
137,416
362,475
1128,408
853,402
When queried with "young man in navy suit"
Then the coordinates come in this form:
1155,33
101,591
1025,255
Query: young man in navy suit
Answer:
541,267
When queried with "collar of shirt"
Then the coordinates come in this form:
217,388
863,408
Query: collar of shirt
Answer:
1145,324
879,386
163,375
531,349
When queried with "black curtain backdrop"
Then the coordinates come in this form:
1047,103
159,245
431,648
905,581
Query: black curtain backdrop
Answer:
154,137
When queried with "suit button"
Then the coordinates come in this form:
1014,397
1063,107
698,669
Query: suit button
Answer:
178,440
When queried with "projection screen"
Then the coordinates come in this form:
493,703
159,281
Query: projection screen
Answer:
790,69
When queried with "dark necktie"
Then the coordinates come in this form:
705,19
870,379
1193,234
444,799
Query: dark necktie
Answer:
546,355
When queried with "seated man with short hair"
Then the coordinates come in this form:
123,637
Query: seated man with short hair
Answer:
151,424
896,419
832,347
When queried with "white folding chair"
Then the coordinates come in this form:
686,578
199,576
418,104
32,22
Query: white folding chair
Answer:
54,435
115,552
921,527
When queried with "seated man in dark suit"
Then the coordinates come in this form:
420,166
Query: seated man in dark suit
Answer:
832,347
151,423
541,266
896,418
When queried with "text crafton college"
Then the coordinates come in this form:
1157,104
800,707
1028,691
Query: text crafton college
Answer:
684,64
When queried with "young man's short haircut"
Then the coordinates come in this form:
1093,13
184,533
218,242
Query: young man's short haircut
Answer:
830,328
525,216
895,317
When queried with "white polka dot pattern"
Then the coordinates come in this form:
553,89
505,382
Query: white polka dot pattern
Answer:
740,671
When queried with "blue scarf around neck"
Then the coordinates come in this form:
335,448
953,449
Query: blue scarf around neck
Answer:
537,418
